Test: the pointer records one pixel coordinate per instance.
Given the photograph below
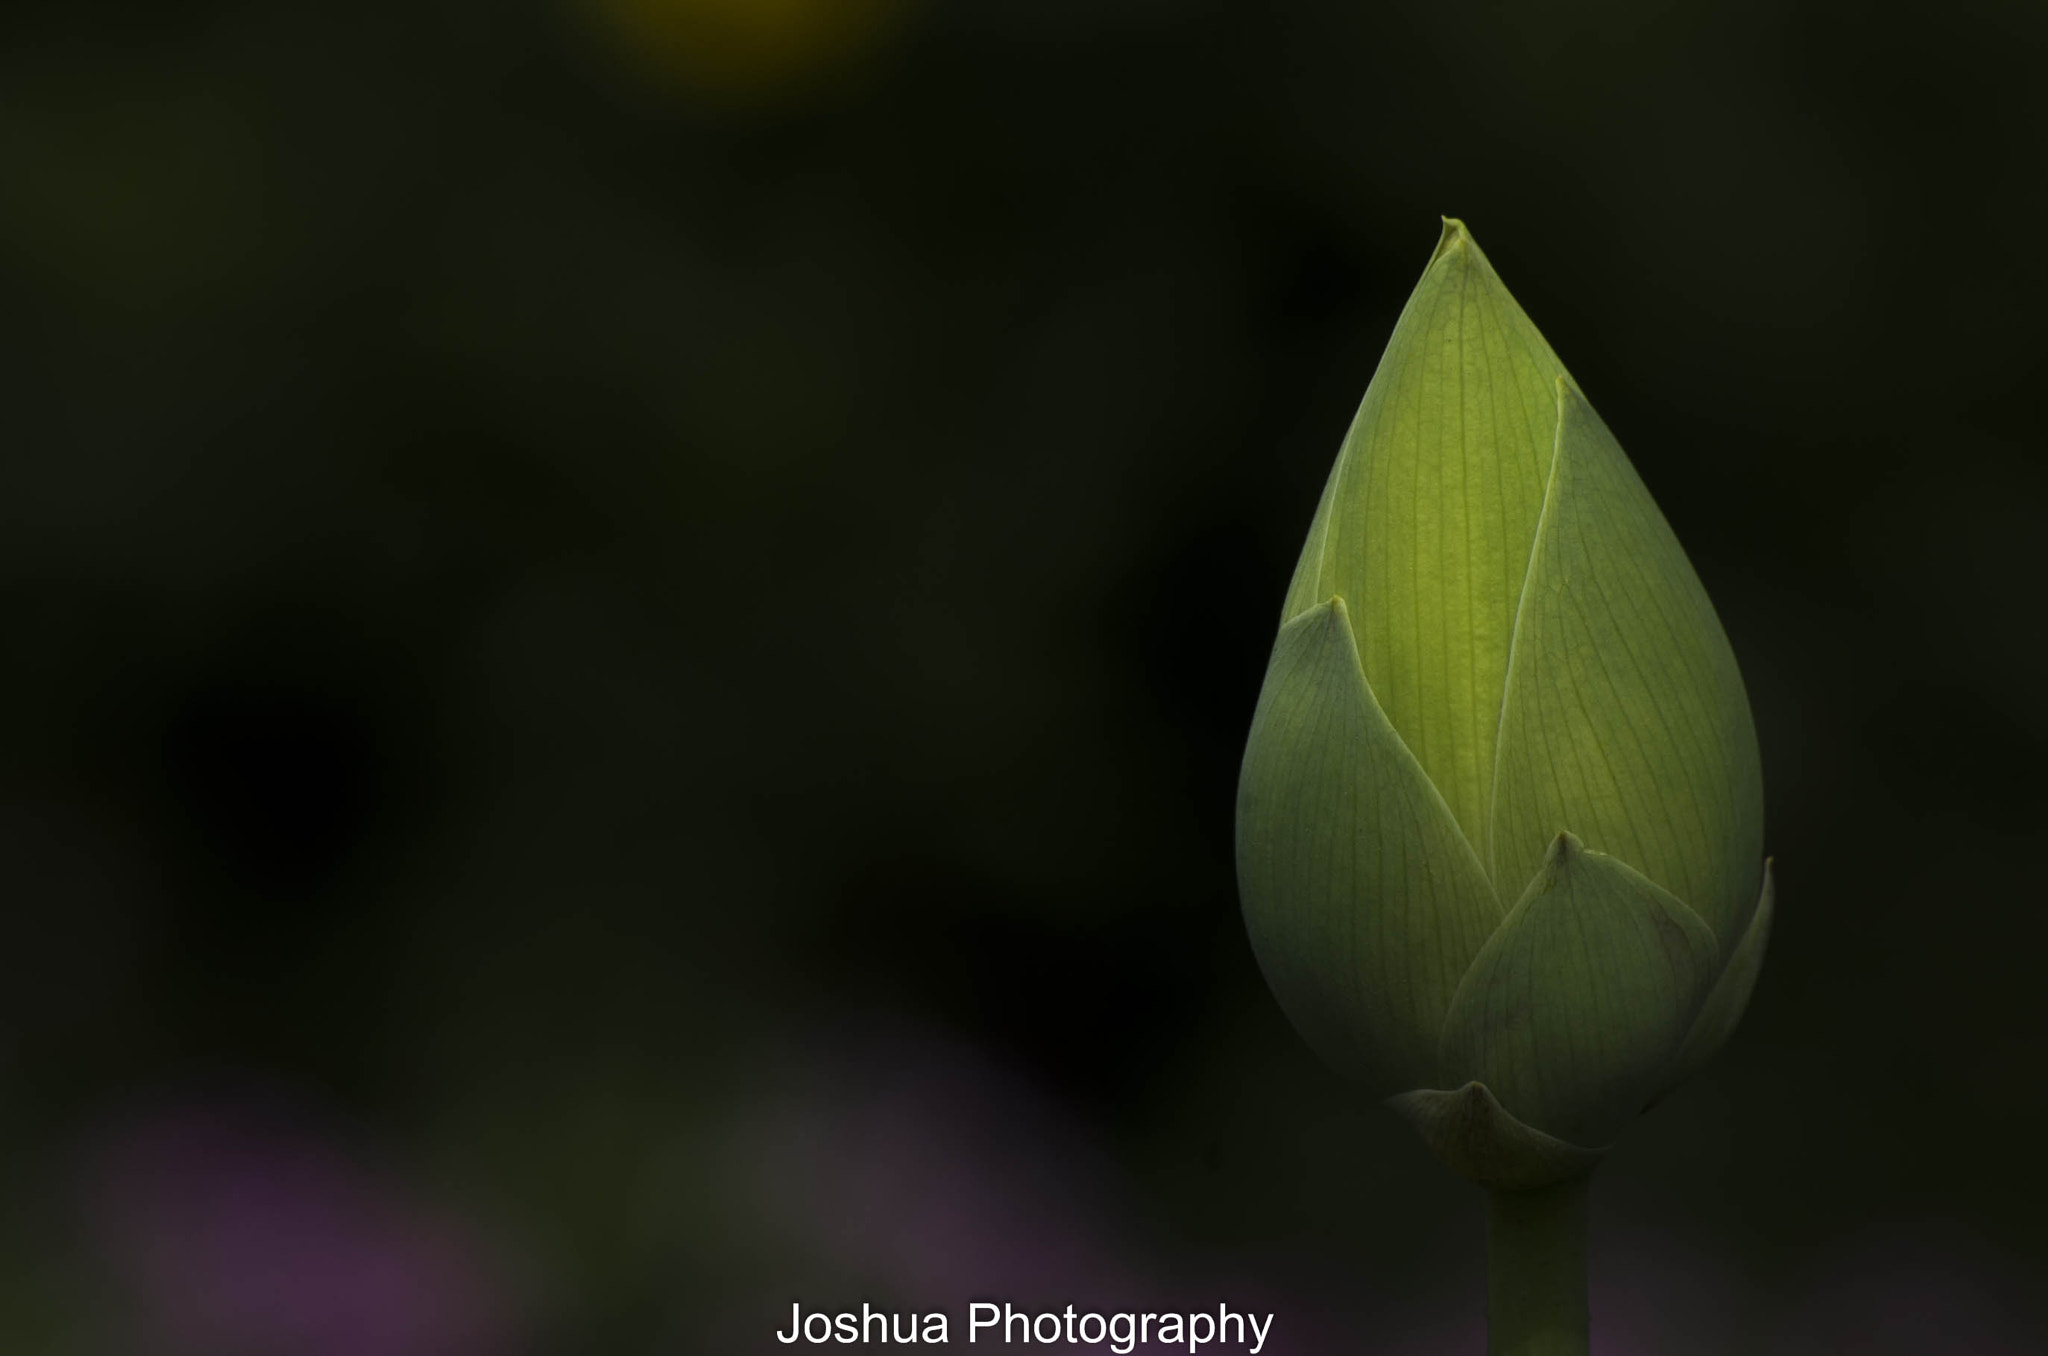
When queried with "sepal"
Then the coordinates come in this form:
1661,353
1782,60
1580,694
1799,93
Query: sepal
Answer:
1475,1137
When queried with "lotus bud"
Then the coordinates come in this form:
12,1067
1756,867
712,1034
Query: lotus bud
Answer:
1500,820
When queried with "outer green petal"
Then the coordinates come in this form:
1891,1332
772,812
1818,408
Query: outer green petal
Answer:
1364,902
1624,715
1425,524
1575,1011
1725,1005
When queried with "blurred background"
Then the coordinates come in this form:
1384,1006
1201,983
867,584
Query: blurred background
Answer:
629,625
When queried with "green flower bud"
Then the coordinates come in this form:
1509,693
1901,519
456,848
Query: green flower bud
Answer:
1500,822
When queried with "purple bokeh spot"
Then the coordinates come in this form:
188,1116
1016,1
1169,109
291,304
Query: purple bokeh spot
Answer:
904,1158
239,1232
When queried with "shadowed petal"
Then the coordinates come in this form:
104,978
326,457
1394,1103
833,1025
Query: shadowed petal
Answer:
1575,1011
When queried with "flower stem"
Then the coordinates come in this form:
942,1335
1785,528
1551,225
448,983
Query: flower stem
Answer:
1536,1271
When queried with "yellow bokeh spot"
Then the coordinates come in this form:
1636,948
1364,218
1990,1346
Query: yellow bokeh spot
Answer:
746,51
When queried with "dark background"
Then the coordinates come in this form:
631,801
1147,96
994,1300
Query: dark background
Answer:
629,626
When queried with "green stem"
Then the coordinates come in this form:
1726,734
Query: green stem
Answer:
1536,1271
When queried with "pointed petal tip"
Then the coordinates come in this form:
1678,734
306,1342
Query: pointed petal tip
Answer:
1453,240
1330,612
1334,611
1563,848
